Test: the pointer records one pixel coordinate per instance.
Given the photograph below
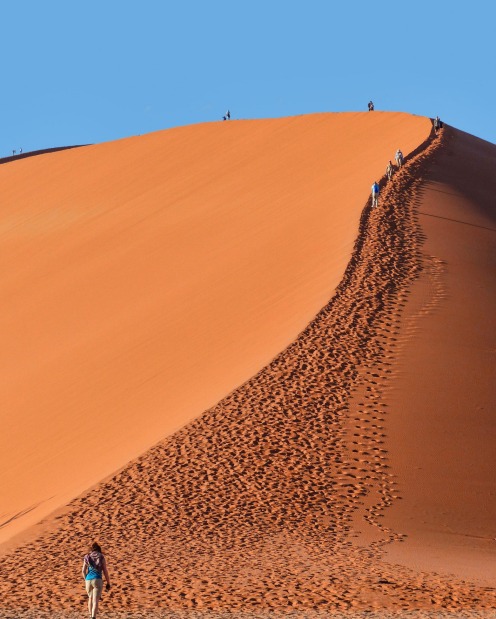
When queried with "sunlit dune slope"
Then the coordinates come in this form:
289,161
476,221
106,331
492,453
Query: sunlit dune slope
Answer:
144,279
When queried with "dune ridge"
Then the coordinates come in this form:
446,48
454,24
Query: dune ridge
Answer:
36,153
145,279
445,386
273,499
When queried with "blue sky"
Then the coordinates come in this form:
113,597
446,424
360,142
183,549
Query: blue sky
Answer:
77,72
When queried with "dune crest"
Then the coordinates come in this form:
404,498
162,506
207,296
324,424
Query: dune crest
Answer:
145,279
277,498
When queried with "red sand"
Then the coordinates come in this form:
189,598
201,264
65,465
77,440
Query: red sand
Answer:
442,423
284,495
145,279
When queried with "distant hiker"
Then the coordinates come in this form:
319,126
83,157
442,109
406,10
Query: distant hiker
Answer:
399,158
224,118
390,170
13,153
20,152
94,565
371,106
437,124
228,115
375,194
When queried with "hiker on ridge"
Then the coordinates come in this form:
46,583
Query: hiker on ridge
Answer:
375,194
389,170
371,106
437,124
399,158
228,115
94,564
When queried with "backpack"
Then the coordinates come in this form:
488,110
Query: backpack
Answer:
94,560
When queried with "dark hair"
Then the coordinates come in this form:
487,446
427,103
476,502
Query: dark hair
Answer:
96,547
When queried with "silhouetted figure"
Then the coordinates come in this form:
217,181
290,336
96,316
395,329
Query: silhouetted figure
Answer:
437,124
399,158
371,106
20,151
375,194
228,115
389,170
13,153
224,118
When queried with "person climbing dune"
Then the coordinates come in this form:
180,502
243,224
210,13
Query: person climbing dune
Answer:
438,124
375,194
94,564
399,158
389,170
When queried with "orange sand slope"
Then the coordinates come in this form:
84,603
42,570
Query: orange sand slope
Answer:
442,421
285,494
145,279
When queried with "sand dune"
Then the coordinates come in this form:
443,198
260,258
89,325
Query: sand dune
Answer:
442,430
334,479
145,279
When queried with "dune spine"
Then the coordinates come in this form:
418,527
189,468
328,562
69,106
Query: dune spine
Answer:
256,504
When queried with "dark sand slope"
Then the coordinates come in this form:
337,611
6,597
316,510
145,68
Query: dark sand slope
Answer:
275,498
442,407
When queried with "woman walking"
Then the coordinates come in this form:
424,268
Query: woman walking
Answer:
94,565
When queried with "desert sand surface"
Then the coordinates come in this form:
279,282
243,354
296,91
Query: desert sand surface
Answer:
307,614
286,497
145,279
442,419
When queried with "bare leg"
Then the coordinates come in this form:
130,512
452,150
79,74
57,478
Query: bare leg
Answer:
96,599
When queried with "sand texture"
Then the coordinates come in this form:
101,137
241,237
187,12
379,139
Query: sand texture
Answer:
287,496
442,424
144,279
307,614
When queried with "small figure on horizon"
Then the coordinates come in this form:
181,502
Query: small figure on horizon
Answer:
389,170
437,124
13,153
228,115
20,151
224,118
375,194
371,106
94,564
399,158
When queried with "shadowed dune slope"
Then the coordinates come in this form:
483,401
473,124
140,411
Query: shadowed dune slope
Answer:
143,280
442,422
